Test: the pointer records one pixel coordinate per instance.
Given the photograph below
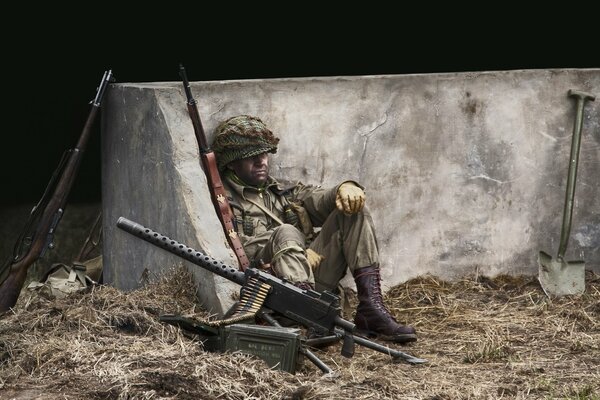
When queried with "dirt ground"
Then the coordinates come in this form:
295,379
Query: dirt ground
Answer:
483,338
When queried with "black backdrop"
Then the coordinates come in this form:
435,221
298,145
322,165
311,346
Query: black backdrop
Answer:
49,80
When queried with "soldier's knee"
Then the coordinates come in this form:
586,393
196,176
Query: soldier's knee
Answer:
287,232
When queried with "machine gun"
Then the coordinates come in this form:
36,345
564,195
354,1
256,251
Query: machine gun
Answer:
272,297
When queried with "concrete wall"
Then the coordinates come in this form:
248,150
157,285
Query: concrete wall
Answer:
465,172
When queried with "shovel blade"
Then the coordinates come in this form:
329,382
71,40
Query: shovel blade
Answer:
560,278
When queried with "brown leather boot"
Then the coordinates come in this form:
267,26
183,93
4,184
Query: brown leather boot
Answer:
372,317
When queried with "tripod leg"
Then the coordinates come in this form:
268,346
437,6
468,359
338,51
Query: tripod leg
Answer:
309,354
323,341
316,360
395,354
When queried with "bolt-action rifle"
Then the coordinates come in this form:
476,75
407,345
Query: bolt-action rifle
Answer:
38,234
209,165
319,311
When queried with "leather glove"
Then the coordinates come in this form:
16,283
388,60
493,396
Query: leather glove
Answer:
350,199
314,259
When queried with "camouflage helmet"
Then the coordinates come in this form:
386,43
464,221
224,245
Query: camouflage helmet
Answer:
240,137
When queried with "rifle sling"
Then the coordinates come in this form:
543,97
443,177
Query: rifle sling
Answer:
223,209
234,242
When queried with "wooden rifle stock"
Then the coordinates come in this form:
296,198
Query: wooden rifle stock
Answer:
38,232
215,185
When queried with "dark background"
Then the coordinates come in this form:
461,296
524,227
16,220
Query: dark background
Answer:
49,80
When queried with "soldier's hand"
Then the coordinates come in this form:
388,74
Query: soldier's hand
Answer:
314,259
350,198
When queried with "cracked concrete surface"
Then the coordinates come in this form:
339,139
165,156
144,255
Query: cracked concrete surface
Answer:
464,172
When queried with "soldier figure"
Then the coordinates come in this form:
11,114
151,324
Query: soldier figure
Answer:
276,225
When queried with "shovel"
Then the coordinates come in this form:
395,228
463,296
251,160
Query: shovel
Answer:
559,277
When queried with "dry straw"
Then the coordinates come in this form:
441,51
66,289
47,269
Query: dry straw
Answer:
498,338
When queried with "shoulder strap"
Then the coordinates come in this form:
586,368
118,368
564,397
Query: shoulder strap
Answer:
266,211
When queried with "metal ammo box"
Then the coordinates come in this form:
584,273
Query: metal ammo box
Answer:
279,347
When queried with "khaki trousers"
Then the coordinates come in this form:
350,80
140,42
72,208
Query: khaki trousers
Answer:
348,242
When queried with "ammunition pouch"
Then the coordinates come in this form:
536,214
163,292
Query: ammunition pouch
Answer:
301,219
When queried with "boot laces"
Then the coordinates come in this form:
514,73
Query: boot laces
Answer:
377,296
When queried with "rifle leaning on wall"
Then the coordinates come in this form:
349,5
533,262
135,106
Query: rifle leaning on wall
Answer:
38,233
263,293
215,185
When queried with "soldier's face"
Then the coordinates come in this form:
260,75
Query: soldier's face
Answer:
252,170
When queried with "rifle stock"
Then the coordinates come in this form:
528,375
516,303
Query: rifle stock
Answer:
38,233
311,309
215,185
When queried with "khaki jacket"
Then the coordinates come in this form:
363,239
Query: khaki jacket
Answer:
255,226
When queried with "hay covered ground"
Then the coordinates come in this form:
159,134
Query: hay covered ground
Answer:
500,338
